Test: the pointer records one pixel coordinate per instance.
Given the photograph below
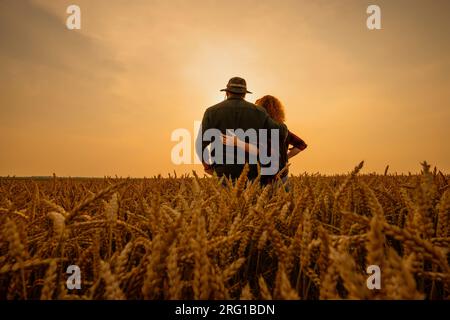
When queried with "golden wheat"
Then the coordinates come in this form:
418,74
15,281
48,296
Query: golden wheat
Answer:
207,238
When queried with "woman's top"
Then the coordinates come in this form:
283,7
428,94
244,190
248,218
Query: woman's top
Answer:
293,140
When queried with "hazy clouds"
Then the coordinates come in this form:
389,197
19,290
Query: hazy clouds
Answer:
104,100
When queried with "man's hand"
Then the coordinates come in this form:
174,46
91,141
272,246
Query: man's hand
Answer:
208,169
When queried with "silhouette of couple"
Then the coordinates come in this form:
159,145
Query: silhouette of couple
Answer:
237,120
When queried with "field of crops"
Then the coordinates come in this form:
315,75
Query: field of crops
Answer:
192,238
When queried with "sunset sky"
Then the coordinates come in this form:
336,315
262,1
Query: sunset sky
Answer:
105,99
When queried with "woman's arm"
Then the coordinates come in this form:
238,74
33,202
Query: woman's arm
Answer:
293,152
298,145
234,141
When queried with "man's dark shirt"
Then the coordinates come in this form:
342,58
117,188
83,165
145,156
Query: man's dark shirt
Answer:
236,113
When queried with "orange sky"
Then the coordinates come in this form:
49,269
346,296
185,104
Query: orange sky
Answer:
104,100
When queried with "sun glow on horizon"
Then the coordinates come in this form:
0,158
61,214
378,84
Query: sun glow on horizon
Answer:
105,99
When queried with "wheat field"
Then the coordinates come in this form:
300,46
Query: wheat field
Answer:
195,238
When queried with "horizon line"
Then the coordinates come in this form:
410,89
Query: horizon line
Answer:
172,175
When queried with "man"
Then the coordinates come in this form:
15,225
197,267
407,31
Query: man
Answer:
232,114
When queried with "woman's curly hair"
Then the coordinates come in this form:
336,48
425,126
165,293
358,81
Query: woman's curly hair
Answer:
273,106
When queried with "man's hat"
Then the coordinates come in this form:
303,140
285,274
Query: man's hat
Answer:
236,85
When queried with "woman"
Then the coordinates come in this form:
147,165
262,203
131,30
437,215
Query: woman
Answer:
275,110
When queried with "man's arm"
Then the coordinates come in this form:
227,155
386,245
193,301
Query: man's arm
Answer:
201,144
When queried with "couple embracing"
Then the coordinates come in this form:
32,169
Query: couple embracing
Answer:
236,120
